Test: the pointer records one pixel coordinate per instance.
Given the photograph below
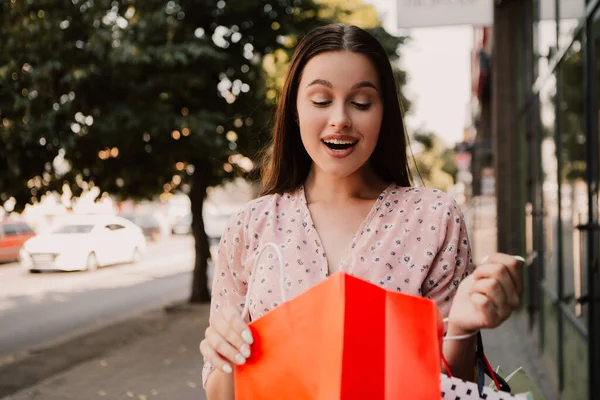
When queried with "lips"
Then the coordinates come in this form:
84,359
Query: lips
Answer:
339,146
339,142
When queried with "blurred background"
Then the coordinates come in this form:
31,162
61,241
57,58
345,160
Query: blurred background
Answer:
131,131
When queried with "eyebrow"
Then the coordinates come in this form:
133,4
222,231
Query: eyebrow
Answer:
361,84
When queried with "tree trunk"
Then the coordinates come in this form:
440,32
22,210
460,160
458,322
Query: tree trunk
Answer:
200,179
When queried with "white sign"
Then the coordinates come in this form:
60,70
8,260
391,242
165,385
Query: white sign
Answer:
569,9
430,13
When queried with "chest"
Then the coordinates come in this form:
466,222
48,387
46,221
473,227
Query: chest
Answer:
337,230
378,244
395,247
387,251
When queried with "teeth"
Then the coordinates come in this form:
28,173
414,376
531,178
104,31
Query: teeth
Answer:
338,141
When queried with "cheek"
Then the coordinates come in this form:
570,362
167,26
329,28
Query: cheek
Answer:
312,120
369,125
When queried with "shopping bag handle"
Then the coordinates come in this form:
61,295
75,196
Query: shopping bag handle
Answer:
457,337
484,368
245,310
481,362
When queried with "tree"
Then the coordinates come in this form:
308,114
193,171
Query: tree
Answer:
40,60
435,162
143,97
353,12
139,97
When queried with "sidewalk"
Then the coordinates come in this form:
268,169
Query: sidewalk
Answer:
509,346
163,364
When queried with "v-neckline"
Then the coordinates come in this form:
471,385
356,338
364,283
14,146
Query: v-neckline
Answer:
357,236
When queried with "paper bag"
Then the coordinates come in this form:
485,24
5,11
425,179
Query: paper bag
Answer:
345,339
521,382
455,388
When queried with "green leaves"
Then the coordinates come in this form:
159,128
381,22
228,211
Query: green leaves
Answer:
134,93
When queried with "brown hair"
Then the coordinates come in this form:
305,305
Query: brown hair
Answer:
287,163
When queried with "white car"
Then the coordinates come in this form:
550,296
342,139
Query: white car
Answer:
84,243
216,219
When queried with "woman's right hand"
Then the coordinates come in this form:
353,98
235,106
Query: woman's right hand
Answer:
227,340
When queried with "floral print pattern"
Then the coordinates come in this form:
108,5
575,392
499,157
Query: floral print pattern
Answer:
414,241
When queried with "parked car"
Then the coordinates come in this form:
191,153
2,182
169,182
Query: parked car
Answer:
13,234
149,224
183,226
216,219
84,243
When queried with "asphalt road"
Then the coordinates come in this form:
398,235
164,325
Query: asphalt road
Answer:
37,310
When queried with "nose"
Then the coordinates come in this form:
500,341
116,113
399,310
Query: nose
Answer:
340,118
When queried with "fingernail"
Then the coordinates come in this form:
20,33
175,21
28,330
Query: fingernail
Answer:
247,336
227,369
245,349
485,259
240,359
519,258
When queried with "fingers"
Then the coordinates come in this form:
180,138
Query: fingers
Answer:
500,272
514,266
493,289
231,330
212,357
224,348
488,314
227,340
489,295
237,324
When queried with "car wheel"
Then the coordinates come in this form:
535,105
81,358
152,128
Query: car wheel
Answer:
136,256
91,264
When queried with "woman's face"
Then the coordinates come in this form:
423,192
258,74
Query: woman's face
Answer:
339,111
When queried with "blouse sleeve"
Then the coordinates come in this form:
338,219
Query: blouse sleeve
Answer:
229,285
452,263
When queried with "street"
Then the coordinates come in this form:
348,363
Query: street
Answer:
37,310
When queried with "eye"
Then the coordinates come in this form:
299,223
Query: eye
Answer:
321,103
361,106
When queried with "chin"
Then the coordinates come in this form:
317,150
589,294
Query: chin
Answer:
341,170
340,167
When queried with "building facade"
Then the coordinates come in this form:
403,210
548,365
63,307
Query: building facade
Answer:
536,86
562,196
545,145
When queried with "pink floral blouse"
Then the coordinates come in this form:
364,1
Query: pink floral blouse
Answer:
414,241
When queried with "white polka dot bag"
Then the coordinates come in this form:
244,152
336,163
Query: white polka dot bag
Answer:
456,389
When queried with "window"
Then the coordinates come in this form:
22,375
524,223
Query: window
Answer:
574,188
10,229
550,182
24,229
70,229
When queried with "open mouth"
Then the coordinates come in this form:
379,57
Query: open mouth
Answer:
337,144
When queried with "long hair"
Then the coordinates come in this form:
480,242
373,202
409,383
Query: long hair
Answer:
286,162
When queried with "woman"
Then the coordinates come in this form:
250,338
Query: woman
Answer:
337,196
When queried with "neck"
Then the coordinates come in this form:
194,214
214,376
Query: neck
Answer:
322,187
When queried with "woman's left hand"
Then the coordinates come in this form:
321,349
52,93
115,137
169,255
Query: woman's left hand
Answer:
487,297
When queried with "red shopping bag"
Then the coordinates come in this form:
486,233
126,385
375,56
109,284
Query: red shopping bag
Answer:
345,339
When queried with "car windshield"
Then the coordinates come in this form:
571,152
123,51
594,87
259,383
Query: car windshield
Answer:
144,220
75,229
